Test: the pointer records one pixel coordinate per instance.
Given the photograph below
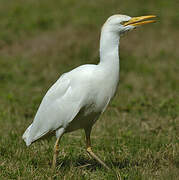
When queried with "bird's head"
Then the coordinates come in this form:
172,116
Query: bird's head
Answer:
123,23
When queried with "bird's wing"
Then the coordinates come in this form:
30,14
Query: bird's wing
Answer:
58,107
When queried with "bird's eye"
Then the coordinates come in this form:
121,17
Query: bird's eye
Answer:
123,22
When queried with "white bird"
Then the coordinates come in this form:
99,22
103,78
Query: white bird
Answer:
79,97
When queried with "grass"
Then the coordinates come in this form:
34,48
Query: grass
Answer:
137,135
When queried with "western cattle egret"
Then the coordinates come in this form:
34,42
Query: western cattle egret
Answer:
79,97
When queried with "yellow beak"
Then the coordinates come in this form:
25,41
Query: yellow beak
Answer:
136,21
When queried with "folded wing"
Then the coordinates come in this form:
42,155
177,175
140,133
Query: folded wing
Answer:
59,106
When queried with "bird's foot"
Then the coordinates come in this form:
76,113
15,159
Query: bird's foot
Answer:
93,155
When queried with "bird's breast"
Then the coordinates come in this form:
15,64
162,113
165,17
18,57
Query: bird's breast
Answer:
100,97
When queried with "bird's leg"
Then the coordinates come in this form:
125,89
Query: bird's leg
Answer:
56,151
89,150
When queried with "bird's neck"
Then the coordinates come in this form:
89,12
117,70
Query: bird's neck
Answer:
109,48
109,60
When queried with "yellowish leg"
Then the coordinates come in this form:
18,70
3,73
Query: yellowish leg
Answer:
89,150
56,152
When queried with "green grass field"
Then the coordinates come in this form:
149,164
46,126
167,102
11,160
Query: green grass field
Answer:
138,135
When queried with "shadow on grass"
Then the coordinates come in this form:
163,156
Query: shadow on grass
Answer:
93,165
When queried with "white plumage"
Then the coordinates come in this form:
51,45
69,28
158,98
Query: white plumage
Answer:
81,90
78,97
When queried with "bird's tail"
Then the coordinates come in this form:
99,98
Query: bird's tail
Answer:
25,136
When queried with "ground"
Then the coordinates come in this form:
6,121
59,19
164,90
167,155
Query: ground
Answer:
138,133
